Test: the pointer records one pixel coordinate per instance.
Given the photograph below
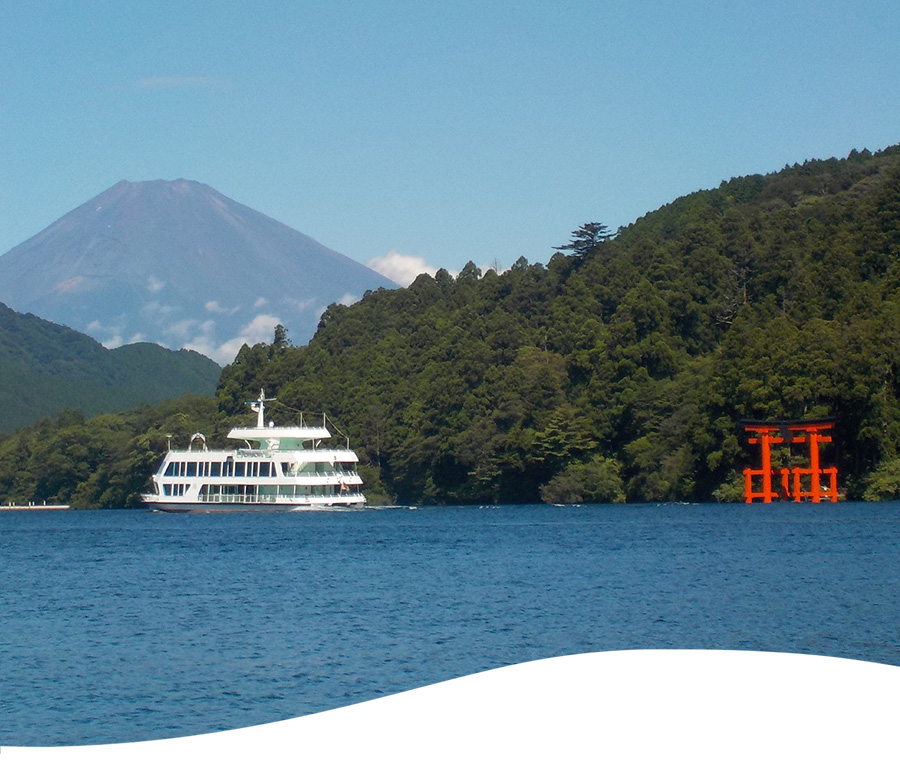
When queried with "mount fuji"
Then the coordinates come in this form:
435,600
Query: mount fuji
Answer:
179,264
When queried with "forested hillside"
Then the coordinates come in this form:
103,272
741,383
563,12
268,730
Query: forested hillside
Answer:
46,368
102,462
622,368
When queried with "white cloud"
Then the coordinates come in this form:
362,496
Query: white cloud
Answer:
226,353
206,345
214,307
182,328
114,333
260,329
485,268
301,306
154,285
348,299
260,303
156,311
400,268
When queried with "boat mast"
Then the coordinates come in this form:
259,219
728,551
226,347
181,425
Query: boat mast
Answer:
259,407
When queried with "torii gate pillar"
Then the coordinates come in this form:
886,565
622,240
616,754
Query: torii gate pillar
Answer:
810,432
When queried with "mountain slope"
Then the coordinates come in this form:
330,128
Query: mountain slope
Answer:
46,368
624,373
619,373
177,263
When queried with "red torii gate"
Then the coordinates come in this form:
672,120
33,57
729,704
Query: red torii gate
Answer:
812,432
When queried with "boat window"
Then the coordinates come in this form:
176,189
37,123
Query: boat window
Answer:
192,469
264,469
215,469
239,468
170,470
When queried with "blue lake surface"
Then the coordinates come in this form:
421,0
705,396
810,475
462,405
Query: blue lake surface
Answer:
130,625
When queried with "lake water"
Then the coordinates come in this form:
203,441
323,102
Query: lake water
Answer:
130,625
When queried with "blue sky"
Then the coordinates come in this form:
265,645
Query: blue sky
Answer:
448,132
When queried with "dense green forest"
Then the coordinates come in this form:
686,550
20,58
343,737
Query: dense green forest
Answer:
620,370
46,368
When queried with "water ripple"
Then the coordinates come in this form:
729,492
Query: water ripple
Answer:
121,626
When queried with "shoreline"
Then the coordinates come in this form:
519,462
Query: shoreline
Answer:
45,506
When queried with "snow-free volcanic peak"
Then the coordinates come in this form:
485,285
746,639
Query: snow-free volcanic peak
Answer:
178,263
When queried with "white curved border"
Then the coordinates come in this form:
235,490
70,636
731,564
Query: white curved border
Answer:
641,707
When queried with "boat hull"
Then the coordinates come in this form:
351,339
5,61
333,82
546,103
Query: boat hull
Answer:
200,507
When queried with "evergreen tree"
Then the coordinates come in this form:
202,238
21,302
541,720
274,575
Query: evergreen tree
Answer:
586,238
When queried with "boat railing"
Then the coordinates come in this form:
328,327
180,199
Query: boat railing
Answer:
257,499
275,455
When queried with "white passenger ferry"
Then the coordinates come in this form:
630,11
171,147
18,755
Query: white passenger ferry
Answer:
279,468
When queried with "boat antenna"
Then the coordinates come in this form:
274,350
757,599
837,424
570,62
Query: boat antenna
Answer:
259,407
